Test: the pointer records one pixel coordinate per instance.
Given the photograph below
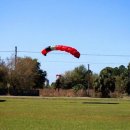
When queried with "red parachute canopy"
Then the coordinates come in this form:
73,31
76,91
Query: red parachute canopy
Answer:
68,49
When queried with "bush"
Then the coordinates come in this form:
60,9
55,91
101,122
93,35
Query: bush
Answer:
78,87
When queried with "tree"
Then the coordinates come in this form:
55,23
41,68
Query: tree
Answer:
26,74
121,79
128,80
123,71
75,78
3,74
106,82
128,88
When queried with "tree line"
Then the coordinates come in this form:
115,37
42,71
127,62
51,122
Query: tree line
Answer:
25,73
107,81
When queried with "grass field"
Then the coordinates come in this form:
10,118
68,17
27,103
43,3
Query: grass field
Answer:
64,114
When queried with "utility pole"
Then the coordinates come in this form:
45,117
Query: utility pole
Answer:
88,80
15,56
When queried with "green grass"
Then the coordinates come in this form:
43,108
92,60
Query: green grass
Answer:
64,114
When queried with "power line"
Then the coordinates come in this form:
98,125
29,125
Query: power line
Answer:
6,51
82,62
107,55
84,54
87,54
57,53
29,51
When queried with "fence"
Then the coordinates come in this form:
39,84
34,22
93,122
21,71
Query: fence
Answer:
19,92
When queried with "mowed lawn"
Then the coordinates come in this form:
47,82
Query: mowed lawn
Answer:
64,114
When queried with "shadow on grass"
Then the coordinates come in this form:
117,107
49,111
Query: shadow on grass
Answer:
100,103
2,100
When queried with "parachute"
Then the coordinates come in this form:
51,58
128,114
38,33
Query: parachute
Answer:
68,49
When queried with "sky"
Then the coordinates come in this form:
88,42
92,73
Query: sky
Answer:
98,29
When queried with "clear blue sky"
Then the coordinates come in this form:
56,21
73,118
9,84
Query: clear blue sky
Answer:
91,26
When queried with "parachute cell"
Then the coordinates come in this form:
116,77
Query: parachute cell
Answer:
68,49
